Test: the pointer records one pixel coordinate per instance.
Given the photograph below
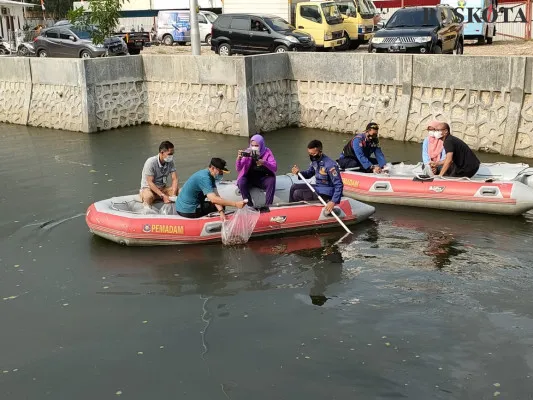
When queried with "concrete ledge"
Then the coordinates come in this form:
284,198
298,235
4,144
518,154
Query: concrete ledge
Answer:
270,68
473,73
57,71
327,67
15,69
109,70
192,69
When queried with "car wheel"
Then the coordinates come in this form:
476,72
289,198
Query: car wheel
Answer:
85,54
346,44
281,49
459,49
167,40
208,40
224,49
437,49
42,53
23,51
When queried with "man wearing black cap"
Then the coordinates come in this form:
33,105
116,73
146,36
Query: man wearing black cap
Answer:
357,151
191,199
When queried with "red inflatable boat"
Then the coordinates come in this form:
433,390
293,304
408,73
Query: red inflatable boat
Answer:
116,219
458,194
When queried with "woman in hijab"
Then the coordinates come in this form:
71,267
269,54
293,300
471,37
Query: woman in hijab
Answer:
257,167
433,148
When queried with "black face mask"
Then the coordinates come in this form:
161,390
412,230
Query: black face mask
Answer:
373,139
315,158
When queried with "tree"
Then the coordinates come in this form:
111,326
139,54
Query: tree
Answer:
103,16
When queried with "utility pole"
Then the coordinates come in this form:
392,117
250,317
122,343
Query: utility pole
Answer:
195,29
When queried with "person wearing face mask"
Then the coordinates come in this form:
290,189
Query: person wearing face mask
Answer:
358,151
460,160
155,174
328,178
432,147
257,168
191,201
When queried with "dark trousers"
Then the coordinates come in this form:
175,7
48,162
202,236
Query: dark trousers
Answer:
205,207
348,162
300,192
267,183
456,172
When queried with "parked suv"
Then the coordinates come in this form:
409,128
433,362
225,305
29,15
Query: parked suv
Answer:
67,40
254,34
420,30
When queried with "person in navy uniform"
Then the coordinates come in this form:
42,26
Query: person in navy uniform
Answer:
357,151
328,178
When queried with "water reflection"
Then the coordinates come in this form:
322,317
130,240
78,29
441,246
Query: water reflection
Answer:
209,270
442,247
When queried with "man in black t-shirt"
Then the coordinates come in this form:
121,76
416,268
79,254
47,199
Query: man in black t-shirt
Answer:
460,161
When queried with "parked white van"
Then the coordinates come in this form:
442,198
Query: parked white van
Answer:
174,26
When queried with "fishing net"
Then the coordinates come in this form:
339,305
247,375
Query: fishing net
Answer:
239,228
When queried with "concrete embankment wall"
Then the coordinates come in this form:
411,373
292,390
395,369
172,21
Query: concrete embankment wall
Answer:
487,100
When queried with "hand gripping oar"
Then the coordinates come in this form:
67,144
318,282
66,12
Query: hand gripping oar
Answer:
323,202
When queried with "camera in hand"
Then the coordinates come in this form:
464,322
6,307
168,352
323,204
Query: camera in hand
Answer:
245,154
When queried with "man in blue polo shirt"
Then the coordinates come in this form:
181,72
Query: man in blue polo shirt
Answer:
358,151
191,201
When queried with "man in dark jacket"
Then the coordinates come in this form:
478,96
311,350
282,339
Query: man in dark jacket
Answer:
328,178
358,151
460,160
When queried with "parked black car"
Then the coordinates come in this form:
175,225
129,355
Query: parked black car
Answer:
434,29
66,40
254,34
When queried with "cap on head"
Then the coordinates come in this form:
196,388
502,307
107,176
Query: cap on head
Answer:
220,164
372,125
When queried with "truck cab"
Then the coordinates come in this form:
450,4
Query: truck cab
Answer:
358,21
321,19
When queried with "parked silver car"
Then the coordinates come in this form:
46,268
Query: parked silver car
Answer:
73,41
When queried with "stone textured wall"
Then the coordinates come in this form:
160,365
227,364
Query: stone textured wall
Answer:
346,107
13,107
57,107
197,92
488,101
116,92
119,104
205,107
478,117
15,90
524,140
275,105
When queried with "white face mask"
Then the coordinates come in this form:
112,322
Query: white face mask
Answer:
169,158
437,134
255,148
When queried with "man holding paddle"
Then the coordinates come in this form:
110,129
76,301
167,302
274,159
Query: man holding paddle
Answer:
328,185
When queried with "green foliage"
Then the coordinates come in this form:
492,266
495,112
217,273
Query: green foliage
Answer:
78,17
104,15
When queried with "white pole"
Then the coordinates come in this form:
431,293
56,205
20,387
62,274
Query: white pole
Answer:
323,202
195,29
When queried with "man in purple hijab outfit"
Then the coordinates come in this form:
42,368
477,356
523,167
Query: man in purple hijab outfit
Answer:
257,167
